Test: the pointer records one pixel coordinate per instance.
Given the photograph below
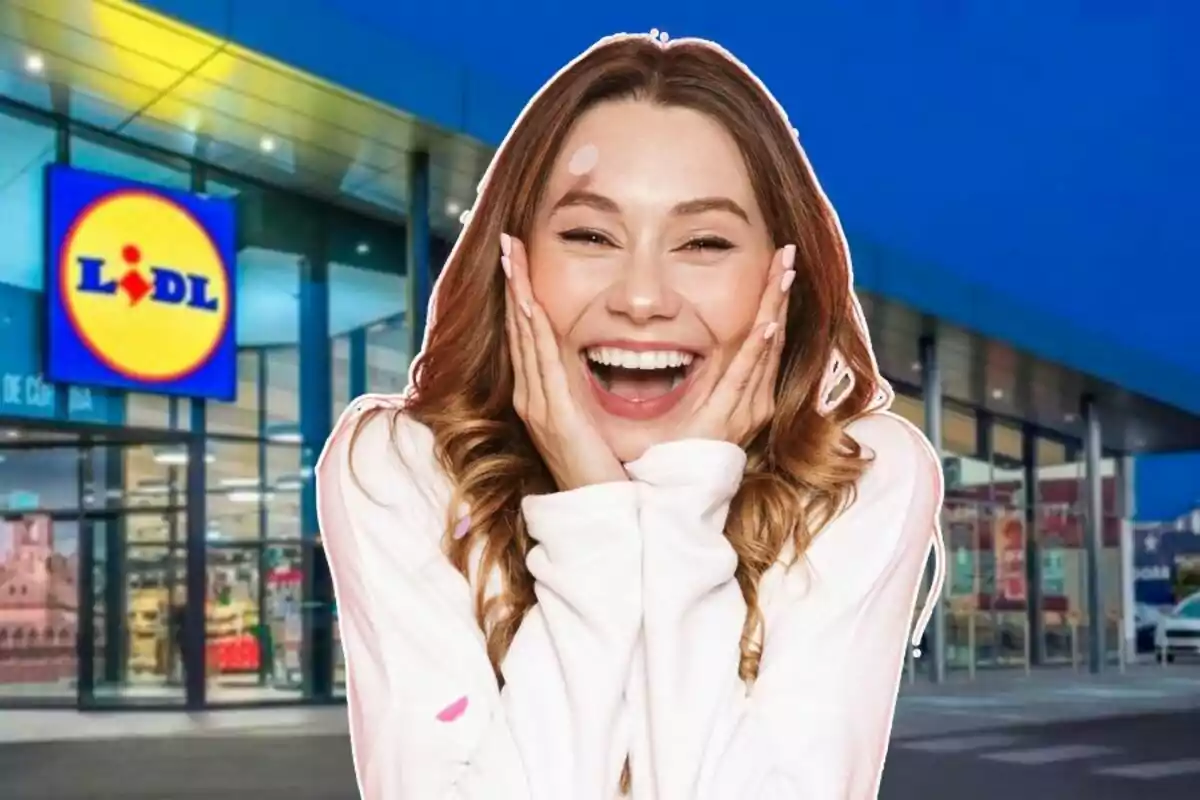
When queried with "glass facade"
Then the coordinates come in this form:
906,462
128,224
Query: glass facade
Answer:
142,536
1014,523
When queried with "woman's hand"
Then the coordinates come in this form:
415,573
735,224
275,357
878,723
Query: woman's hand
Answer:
567,440
743,400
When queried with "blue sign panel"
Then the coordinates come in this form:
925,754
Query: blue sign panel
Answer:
139,287
1157,558
24,390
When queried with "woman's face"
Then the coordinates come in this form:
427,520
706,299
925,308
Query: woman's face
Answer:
650,255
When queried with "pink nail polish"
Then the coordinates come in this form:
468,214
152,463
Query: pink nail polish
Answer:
770,331
462,528
789,256
453,711
506,265
788,278
506,244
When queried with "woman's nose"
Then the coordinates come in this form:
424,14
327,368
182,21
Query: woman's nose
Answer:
643,291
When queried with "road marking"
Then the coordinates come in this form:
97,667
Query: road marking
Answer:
1108,693
959,744
956,702
1154,771
1049,755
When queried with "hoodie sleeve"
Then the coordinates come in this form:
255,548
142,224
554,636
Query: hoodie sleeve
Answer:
817,720
427,718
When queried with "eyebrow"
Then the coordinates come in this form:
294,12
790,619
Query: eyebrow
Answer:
700,205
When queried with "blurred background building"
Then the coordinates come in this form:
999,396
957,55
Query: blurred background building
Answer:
1016,251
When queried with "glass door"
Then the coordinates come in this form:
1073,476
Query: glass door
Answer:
133,575
132,646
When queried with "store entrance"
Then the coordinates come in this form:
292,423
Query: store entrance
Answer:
92,563
133,595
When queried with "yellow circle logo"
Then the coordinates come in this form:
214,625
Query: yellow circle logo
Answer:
144,286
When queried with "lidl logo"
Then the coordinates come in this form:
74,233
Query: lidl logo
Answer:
140,287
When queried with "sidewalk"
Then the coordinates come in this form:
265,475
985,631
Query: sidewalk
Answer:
994,699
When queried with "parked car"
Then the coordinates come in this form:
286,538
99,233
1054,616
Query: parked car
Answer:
1145,620
1178,632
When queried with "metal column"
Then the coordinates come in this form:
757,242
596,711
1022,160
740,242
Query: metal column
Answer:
1093,532
358,363
195,616
1126,492
266,661
1033,550
316,421
195,635
420,270
931,391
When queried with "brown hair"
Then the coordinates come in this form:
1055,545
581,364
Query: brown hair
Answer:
801,470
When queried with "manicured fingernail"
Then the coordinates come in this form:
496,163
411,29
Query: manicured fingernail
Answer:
506,265
463,526
789,255
453,711
506,244
770,331
527,308
786,283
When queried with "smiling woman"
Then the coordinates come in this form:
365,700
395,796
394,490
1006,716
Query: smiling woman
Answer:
644,463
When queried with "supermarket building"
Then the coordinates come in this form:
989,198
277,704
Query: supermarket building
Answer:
330,190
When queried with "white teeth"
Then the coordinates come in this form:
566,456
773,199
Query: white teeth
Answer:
639,359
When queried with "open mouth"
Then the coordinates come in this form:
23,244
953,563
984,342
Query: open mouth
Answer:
639,376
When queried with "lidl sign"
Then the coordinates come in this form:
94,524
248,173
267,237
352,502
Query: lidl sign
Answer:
140,287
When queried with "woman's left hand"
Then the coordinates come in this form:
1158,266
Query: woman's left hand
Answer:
743,400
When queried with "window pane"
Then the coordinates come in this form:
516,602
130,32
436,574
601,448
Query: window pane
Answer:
235,492
388,356
114,159
367,293
240,416
911,408
284,482
27,148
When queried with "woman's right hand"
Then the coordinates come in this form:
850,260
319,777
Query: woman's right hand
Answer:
571,446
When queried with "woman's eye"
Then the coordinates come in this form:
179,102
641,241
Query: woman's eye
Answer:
585,236
708,243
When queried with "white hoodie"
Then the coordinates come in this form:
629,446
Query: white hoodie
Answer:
633,645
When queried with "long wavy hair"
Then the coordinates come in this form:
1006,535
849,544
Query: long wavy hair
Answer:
802,468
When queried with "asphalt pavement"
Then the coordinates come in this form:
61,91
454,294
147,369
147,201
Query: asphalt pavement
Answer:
1119,758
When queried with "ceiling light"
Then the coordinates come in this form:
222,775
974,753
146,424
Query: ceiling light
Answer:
284,432
1068,418
35,64
246,496
453,209
997,394
266,144
363,248
172,458
178,456
916,366
240,483
289,483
